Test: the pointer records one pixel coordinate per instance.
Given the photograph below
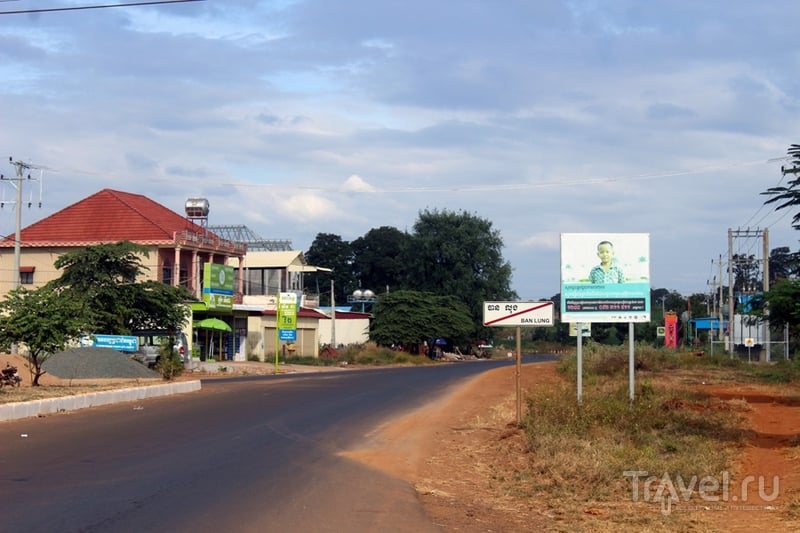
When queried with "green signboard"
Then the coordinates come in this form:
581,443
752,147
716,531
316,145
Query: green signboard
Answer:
287,316
218,286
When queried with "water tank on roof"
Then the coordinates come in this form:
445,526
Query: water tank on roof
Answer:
197,208
357,294
368,294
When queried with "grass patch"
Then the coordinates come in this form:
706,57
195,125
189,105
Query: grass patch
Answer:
578,453
603,360
367,354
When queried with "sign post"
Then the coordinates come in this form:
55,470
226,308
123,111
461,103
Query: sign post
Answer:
285,321
501,314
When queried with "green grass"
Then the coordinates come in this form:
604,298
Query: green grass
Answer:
367,354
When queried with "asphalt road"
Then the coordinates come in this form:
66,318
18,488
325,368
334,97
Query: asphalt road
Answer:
242,454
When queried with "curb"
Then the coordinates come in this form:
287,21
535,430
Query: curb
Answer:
17,410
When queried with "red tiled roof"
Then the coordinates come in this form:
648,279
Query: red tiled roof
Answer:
107,216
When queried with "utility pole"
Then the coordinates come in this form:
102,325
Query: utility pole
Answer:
333,318
731,304
765,289
719,316
21,167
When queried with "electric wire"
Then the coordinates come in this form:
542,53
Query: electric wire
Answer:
95,6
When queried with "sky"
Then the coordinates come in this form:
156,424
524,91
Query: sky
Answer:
300,117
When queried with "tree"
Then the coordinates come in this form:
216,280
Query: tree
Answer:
783,302
783,264
331,251
43,320
103,281
788,195
460,255
746,277
380,259
411,317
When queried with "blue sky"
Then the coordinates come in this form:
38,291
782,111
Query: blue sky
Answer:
297,117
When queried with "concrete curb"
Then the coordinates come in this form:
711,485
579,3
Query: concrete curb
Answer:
16,410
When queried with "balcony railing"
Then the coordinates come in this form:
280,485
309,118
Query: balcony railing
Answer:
209,242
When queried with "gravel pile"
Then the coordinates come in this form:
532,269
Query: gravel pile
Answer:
95,363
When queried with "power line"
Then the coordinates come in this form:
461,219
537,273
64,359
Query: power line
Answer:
96,6
369,189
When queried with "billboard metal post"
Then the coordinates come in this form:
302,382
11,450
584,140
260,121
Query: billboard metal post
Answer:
630,359
580,363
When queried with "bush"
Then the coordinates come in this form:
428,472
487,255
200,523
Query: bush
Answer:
169,364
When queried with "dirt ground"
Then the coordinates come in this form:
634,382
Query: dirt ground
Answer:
459,451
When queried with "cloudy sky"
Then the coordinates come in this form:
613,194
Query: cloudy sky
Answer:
299,117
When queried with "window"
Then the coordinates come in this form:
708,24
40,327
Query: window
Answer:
166,272
26,275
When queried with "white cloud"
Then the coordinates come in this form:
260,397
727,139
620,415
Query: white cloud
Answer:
541,117
356,183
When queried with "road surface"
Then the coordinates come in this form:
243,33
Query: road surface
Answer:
243,454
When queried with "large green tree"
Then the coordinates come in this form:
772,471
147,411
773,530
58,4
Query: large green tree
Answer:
459,255
104,280
331,251
380,259
783,264
412,317
42,320
783,302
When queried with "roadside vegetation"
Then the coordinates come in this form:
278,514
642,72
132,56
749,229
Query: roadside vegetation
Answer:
369,354
100,289
578,453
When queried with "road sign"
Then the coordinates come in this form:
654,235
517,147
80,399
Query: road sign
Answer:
288,335
586,329
518,314
121,343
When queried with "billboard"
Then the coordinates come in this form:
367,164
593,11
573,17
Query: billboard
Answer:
605,277
218,286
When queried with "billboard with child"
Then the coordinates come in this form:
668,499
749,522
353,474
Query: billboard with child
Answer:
605,277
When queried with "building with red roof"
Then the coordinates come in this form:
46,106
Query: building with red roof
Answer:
177,247
179,253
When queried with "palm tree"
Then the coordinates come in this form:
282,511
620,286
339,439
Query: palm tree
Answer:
788,195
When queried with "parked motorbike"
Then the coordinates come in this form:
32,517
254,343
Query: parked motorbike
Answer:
9,376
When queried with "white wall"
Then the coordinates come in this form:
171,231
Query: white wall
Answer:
348,331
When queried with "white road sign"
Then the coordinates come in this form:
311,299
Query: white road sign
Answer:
518,314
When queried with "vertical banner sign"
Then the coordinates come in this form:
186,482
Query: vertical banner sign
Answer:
671,329
287,316
285,321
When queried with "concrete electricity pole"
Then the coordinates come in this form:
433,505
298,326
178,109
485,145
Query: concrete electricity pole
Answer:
21,167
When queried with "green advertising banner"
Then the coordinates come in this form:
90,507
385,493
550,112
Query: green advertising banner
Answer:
218,286
287,316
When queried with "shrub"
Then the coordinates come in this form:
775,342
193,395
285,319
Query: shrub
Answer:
169,364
